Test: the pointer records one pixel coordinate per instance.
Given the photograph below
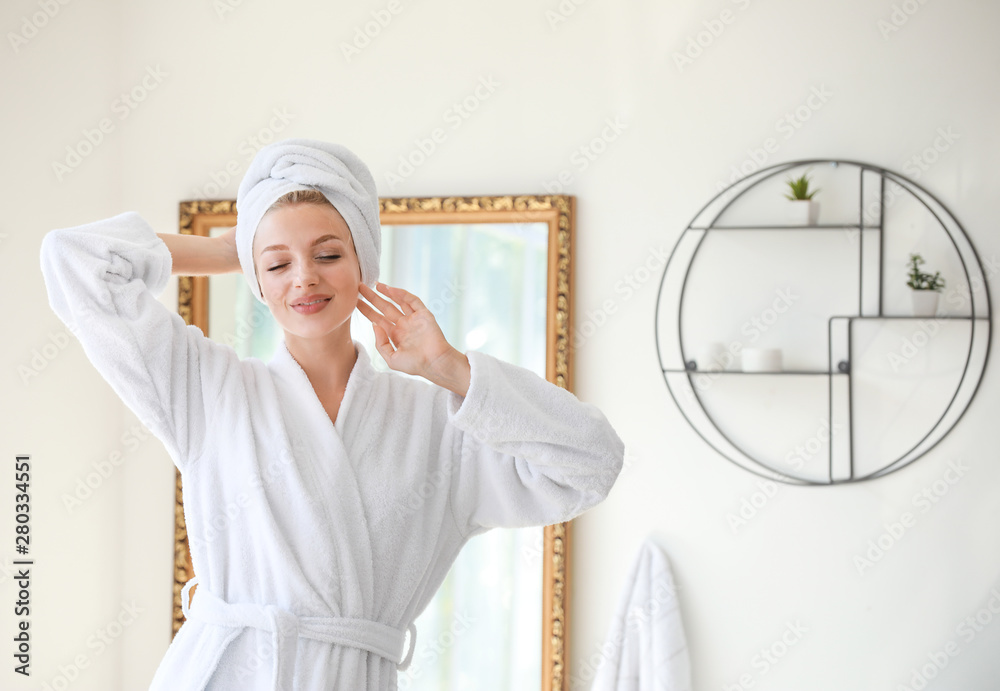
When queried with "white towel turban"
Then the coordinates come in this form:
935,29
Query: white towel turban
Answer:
307,164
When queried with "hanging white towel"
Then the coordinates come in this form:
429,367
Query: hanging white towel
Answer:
646,648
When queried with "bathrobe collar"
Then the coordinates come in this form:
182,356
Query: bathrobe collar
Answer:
285,366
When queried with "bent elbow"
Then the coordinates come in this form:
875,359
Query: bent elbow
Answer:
615,458
613,469
602,478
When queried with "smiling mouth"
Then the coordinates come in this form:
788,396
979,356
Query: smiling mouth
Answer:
311,307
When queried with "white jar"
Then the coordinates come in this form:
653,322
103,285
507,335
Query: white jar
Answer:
761,359
711,358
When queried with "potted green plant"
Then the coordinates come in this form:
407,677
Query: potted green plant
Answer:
926,288
804,210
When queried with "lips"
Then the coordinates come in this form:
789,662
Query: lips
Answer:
311,304
309,298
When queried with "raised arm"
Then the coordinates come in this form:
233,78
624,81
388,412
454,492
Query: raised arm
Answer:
531,453
196,255
102,280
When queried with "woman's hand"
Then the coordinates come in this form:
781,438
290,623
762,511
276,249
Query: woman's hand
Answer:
409,339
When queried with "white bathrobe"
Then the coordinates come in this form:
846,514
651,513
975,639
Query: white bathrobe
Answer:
316,544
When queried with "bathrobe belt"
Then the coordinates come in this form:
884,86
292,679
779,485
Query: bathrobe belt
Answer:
286,628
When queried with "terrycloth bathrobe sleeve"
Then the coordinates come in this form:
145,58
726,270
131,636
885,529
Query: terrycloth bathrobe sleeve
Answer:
102,279
531,453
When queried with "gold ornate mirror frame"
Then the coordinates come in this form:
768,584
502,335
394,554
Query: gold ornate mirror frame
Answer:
557,211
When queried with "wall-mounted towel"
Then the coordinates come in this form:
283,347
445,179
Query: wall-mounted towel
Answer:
646,648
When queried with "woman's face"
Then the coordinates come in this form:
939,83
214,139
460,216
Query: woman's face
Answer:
304,253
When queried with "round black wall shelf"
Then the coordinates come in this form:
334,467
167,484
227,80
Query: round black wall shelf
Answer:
791,345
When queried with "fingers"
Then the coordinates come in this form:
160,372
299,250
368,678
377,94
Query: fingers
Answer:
374,316
382,343
387,308
407,301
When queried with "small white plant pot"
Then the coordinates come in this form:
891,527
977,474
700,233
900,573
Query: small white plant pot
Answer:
925,303
802,212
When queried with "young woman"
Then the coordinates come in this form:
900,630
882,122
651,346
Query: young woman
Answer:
299,473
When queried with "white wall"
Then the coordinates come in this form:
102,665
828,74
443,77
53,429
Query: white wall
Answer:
556,85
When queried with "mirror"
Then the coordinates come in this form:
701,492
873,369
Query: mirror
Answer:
496,273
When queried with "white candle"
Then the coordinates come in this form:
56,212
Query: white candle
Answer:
761,359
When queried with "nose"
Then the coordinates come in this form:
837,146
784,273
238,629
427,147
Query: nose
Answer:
305,274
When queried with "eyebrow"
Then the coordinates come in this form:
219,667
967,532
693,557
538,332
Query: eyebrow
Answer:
317,241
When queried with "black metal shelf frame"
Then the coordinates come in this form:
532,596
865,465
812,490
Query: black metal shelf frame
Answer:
697,408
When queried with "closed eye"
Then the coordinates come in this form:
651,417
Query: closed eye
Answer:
325,256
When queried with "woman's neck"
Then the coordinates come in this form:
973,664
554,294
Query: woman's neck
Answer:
327,361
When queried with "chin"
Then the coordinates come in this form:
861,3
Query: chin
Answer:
317,325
